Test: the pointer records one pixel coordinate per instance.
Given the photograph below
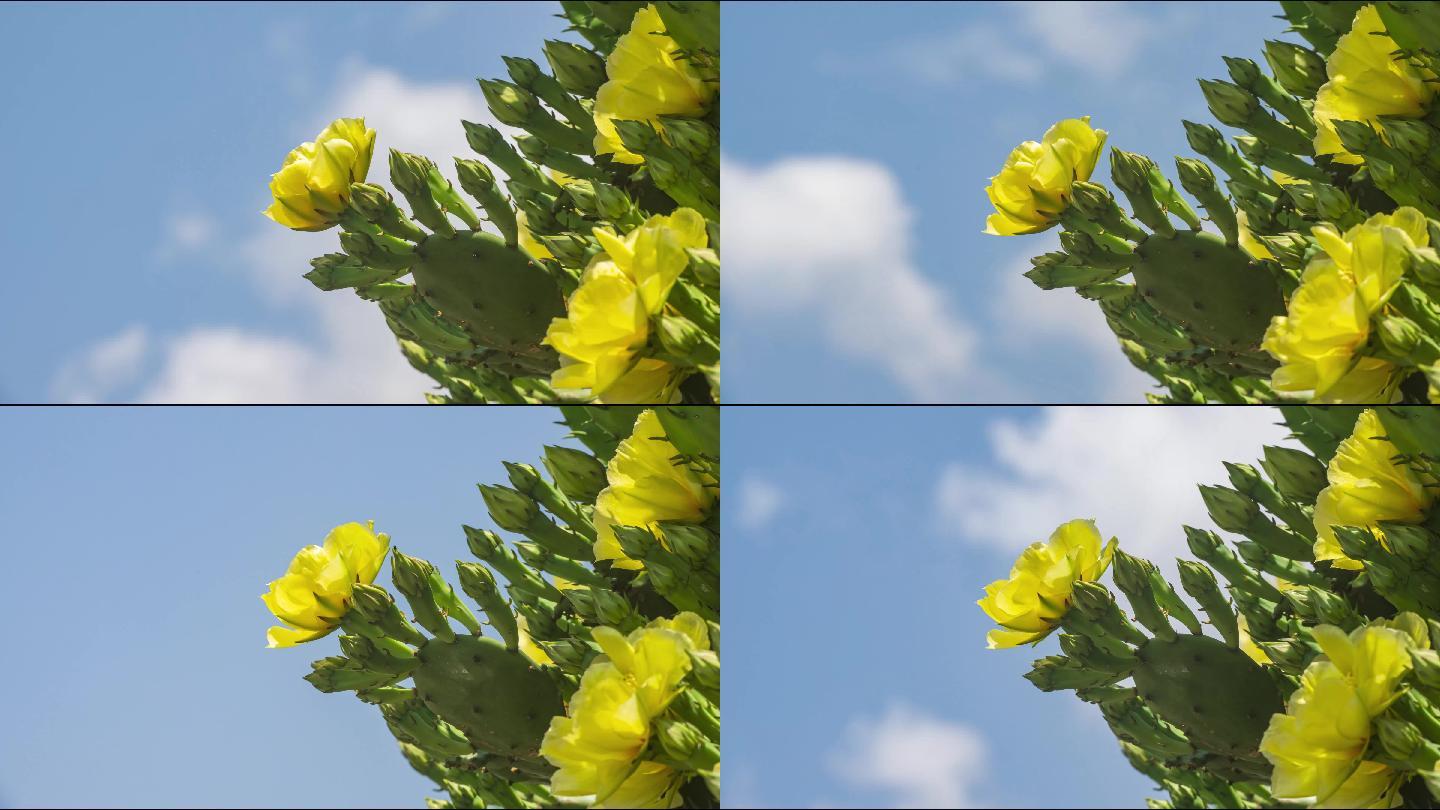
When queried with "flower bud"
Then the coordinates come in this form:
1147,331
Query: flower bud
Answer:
1231,105
686,747
1298,69
1230,510
511,105
511,510
339,674
335,271
578,474
579,70
377,207
415,578
479,584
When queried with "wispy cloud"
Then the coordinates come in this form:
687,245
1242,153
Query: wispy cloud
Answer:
107,365
760,501
915,759
1020,43
1134,470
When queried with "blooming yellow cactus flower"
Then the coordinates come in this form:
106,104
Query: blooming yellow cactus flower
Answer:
1328,317
1367,81
312,188
1031,603
1317,745
647,485
1366,486
646,81
315,592
596,745
607,318
1033,188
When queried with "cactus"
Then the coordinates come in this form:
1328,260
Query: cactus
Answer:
599,681
1287,295
589,272
1317,681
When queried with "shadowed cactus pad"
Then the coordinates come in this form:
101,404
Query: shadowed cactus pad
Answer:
1213,291
1214,693
494,292
499,699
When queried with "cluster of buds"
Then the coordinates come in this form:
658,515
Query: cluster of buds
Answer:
1317,279
575,257
597,683
1318,679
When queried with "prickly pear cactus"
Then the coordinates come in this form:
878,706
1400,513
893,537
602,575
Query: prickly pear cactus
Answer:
598,681
1317,278
590,271
1317,680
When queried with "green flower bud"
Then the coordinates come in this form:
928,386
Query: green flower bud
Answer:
578,474
1231,105
686,747
523,71
339,674
511,510
335,271
479,584
378,607
1230,510
381,655
1298,69
694,544
705,669
579,70
511,105
413,578
1056,672
377,207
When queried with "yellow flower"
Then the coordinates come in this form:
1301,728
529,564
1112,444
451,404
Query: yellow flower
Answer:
609,720
1366,81
1365,487
315,592
1317,745
1328,318
1031,603
646,486
646,81
607,319
1033,188
312,188
527,240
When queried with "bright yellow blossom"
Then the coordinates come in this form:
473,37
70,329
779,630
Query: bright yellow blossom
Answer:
315,592
646,81
646,486
1033,188
610,718
1328,318
1317,745
607,319
1365,487
312,188
1367,81
1031,603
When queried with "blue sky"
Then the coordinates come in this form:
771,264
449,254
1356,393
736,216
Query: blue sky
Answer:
138,544
859,138
141,138
857,541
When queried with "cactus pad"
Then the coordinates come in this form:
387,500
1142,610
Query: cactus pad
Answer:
1219,697
499,699
1213,290
496,293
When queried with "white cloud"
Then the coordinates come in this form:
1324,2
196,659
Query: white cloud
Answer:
1030,42
918,760
1134,470
760,501
187,232
352,356
111,363
829,237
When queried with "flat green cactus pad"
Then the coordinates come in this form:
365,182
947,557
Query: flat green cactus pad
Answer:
1214,291
1219,697
496,293
499,699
